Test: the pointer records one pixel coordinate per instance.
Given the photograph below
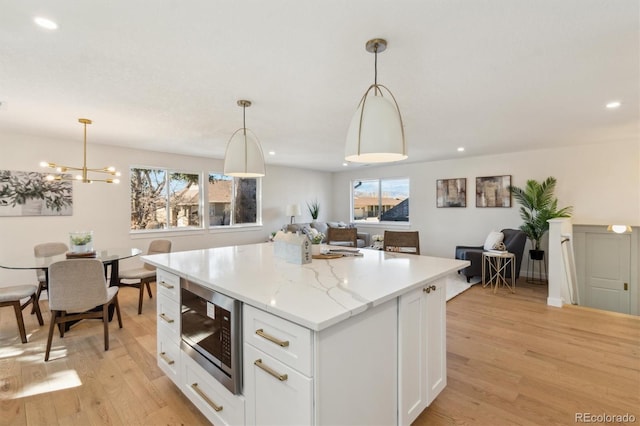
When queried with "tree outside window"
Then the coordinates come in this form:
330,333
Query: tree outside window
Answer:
380,200
233,201
163,199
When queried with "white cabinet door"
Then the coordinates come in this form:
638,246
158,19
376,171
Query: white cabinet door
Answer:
412,356
275,393
436,339
421,349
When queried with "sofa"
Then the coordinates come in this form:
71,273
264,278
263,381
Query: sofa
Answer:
514,241
364,239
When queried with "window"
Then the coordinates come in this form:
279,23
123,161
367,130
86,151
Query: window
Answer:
164,199
233,201
380,200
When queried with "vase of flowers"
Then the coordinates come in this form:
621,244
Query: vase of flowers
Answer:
81,241
316,241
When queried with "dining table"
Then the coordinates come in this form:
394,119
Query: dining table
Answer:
110,258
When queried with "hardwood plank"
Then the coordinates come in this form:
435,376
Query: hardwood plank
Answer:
511,360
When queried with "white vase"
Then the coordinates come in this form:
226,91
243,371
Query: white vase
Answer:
315,249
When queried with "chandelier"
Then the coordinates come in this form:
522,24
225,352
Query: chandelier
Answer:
83,176
376,132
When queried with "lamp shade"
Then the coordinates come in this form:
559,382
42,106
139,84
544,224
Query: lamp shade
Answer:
375,134
293,210
243,156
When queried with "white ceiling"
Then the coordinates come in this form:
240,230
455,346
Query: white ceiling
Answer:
165,75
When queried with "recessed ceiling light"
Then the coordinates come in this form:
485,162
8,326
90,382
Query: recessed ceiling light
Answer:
345,164
461,149
45,23
272,153
614,104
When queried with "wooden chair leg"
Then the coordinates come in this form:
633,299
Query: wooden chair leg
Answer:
148,283
62,314
38,292
105,321
140,296
54,315
115,300
18,310
36,308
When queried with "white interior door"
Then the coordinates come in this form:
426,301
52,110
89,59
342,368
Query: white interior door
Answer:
608,269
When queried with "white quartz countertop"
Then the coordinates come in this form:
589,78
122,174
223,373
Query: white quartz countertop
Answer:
316,295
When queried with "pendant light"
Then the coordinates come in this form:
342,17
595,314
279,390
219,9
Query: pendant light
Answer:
376,132
243,157
84,170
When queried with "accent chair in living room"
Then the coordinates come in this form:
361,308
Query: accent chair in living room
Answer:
514,241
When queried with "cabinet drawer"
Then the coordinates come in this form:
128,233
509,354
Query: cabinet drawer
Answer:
168,284
287,342
218,405
169,318
275,393
169,356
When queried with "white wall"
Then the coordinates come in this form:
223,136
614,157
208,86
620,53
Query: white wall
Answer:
601,182
105,209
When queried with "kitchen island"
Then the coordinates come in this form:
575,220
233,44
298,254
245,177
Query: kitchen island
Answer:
366,335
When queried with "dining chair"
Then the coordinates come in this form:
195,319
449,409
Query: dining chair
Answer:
144,275
342,236
76,288
402,241
12,296
46,250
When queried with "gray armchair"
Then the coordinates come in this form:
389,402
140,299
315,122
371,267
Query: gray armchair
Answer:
514,240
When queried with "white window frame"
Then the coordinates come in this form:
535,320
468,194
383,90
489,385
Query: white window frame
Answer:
171,229
236,226
386,223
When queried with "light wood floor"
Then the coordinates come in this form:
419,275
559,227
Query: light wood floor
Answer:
511,360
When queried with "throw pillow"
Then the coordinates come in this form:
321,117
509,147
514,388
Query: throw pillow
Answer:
493,238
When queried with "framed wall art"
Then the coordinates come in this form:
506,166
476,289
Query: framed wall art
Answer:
31,194
493,191
451,192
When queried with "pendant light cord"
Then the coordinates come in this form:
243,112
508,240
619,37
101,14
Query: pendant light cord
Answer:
375,69
244,121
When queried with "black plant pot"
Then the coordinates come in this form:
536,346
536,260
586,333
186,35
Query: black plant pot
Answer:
536,254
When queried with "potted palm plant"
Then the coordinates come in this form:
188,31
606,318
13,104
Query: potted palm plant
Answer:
538,205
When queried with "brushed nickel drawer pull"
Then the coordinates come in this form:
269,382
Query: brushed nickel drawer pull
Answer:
206,398
165,358
166,285
283,343
166,318
282,377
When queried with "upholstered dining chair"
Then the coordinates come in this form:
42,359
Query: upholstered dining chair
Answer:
402,241
46,250
342,236
76,287
12,296
144,275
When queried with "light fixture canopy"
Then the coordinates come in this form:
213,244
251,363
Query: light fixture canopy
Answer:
84,170
243,156
376,132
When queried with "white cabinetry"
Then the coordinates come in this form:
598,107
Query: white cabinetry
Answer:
168,310
278,386
213,400
422,349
